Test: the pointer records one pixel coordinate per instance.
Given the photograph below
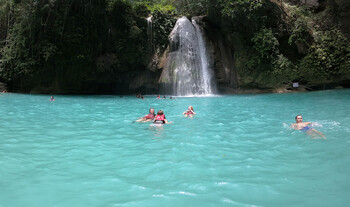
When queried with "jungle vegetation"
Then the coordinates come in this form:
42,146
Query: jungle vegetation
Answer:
79,43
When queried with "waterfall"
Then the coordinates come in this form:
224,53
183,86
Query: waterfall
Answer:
207,74
150,37
187,71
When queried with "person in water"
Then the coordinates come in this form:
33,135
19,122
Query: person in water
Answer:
306,127
52,98
149,117
190,112
160,118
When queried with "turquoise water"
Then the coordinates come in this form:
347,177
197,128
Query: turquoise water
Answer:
237,151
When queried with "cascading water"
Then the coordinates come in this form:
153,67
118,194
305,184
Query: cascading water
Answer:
207,75
187,71
150,37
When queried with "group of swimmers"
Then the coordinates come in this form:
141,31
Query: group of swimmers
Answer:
158,97
159,118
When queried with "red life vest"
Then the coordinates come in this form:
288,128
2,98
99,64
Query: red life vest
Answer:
160,117
149,116
189,112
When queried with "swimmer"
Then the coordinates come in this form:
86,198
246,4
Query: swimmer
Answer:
158,97
306,127
160,118
148,117
52,98
189,112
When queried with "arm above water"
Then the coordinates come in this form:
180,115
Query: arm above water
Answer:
167,122
141,119
294,126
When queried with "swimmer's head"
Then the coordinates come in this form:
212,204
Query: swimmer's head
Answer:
151,110
190,108
299,119
160,112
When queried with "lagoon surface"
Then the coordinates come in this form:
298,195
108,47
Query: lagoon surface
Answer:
237,151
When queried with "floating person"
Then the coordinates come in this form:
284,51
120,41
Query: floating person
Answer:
52,98
164,97
138,95
148,117
190,112
160,118
306,127
158,97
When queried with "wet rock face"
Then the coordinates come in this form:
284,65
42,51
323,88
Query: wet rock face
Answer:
223,58
342,12
310,3
145,81
3,87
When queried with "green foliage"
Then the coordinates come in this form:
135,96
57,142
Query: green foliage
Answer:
191,7
166,9
266,43
120,12
163,22
299,32
141,9
283,71
234,8
299,21
328,58
17,58
6,13
60,36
